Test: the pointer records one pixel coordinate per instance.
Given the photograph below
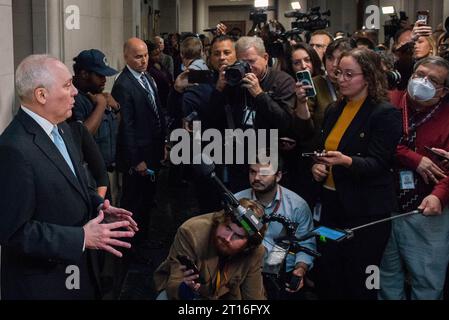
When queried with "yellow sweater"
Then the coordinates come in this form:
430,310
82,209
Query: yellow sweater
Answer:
333,140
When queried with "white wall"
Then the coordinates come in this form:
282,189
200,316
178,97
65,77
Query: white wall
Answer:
102,27
185,15
7,65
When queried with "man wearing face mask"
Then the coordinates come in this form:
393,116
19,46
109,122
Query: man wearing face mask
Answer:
419,244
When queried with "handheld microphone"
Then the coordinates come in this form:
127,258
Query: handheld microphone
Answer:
210,30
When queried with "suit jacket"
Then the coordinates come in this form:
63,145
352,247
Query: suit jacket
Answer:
44,207
194,239
140,137
367,187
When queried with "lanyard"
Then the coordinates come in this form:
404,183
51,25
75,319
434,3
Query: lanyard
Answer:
278,204
408,129
218,280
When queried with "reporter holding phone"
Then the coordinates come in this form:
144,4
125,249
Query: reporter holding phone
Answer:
360,133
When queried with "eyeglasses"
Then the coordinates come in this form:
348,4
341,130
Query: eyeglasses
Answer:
318,46
347,75
431,80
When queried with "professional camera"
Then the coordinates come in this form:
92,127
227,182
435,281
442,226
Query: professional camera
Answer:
310,21
258,16
392,26
235,73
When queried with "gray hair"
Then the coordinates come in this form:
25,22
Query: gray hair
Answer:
436,61
245,43
32,73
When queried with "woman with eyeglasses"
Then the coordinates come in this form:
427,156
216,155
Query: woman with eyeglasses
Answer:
310,111
360,134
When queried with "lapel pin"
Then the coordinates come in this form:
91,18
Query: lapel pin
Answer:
362,135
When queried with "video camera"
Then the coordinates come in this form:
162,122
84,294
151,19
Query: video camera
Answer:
393,25
235,73
258,16
311,21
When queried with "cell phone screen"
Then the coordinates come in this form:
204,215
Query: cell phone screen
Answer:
330,234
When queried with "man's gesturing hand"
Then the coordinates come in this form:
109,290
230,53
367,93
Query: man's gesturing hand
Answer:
103,237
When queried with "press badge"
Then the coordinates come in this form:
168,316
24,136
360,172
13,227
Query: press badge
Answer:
249,116
407,180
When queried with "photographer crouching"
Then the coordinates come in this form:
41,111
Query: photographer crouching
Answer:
213,257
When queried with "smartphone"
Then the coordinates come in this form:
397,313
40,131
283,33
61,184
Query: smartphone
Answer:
423,16
188,263
305,78
332,234
200,76
314,154
439,156
294,283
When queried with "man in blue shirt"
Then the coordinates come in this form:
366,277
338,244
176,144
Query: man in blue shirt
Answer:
277,200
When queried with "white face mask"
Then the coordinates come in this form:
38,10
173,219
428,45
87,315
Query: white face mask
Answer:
421,89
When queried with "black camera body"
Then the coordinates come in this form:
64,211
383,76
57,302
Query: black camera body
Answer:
258,16
310,21
235,73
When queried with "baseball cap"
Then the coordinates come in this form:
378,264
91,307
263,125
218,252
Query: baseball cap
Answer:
95,60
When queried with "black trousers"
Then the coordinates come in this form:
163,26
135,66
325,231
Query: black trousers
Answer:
341,272
138,197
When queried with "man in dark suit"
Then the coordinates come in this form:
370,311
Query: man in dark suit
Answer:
47,235
140,143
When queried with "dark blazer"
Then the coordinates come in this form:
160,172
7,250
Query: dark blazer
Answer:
367,187
140,138
43,209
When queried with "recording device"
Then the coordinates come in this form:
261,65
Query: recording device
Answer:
423,16
336,235
439,156
213,30
311,21
188,263
393,25
258,16
313,154
235,73
294,283
246,218
200,76
305,78
288,34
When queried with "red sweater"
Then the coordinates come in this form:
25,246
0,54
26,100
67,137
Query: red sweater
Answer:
434,134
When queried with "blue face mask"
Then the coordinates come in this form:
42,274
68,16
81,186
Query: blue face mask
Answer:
421,89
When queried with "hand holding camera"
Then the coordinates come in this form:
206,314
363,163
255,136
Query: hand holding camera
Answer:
251,83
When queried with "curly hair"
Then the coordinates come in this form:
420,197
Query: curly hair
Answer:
370,63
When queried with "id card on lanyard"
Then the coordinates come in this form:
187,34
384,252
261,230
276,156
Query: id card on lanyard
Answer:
407,180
